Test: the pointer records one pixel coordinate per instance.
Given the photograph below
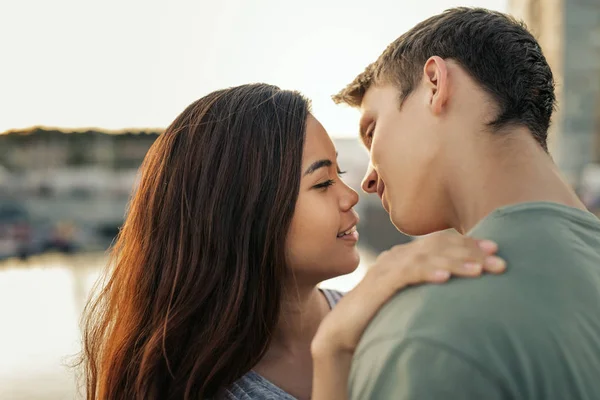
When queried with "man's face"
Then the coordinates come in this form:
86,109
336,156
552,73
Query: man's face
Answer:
404,143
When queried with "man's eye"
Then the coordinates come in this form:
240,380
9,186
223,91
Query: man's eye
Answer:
371,131
369,136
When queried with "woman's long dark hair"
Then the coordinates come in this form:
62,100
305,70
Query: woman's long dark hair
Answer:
193,290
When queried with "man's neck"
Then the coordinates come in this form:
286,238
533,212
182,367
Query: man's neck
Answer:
516,170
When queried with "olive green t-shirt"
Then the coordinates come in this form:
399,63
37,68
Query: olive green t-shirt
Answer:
532,333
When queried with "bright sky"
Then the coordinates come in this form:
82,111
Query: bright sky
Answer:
120,63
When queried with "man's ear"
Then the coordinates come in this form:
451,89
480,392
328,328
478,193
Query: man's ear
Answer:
435,76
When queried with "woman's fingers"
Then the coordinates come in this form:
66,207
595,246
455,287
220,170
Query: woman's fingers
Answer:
478,255
434,268
436,258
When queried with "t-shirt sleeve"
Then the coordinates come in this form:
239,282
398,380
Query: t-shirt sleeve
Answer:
417,369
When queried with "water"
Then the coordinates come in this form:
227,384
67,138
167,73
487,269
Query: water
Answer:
40,306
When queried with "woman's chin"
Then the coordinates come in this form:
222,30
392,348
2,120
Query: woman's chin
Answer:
346,267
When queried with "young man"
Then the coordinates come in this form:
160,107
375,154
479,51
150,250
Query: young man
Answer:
455,115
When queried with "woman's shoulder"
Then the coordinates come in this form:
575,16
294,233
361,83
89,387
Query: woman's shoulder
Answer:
253,386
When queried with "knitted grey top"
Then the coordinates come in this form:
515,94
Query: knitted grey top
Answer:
252,386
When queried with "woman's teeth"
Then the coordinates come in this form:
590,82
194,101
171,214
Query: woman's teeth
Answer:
348,232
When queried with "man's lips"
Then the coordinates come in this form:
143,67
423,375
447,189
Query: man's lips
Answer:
380,188
380,192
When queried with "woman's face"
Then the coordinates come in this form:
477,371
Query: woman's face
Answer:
321,243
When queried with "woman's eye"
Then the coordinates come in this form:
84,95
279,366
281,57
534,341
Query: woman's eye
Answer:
325,184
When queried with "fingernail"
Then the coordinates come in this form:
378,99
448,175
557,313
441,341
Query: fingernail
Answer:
495,262
487,245
441,274
472,266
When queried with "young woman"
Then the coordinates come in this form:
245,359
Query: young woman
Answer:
212,290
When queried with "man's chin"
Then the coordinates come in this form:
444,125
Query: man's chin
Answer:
411,224
385,204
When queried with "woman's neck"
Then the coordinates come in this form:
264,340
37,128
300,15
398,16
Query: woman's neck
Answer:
288,361
302,311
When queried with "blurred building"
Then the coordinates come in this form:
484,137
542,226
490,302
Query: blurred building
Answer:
569,33
48,149
86,178
70,189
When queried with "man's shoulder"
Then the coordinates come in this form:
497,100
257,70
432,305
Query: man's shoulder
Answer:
513,322
491,317
491,311
495,324
445,312
423,325
524,225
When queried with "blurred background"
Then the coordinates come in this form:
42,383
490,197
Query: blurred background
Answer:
86,87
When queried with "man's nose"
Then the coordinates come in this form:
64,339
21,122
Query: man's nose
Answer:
369,182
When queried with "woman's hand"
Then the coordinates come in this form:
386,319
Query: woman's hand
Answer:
431,259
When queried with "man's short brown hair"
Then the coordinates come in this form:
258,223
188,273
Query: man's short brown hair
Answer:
495,49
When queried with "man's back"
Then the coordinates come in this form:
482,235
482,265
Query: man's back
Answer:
532,333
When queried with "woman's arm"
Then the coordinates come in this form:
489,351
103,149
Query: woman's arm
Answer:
331,369
433,259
